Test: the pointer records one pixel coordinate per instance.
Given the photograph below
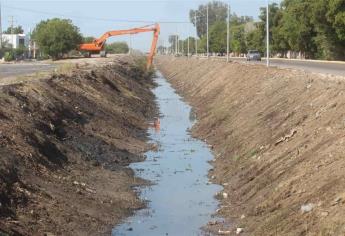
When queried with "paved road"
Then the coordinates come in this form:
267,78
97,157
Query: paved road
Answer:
333,68
7,70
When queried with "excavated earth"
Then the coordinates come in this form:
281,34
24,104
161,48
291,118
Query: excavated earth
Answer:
278,136
65,145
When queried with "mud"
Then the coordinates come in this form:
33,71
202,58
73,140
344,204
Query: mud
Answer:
65,145
278,138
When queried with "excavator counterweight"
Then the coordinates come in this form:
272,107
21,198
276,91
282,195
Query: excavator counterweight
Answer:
97,46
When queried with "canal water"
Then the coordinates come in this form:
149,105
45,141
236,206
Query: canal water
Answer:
181,200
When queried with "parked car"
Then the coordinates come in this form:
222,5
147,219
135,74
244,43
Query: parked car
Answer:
253,55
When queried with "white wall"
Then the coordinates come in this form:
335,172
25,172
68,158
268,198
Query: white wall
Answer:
14,39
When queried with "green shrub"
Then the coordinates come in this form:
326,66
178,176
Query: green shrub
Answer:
9,56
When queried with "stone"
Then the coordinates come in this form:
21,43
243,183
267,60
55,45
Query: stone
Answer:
307,207
239,230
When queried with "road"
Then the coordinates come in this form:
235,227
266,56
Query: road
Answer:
333,68
8,70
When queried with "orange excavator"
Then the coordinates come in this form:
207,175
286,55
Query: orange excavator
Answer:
97,46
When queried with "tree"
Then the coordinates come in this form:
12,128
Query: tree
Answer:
56,36
217,37
326,17
255,40
238,39
296,26
117,47
16,30
88,39
217,11
336,16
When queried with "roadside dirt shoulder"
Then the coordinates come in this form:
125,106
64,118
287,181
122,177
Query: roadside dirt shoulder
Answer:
278,138
65,145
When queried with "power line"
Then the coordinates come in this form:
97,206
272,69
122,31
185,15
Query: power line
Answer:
94,18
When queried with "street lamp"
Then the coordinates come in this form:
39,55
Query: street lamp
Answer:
207,31
267,36
228,35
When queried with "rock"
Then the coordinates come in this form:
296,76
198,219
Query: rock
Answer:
336,201
214,222
225,195
49,234
324,213
307,207
224,232
52,127
239,230
243,216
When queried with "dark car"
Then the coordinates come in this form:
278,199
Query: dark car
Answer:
253,55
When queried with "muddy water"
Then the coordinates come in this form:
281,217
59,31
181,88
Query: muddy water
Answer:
181,200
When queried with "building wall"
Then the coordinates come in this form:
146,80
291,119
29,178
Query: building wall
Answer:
16,39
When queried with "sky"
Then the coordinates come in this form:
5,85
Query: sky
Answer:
96,17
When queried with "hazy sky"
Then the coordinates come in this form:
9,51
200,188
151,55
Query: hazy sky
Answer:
95,17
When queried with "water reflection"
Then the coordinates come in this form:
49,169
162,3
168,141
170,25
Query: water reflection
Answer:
182,199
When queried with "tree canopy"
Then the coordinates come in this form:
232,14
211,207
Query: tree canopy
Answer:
56,36
117,47
16,30
217,11
313,28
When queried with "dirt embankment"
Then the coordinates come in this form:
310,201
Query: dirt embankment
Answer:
278,137
65,144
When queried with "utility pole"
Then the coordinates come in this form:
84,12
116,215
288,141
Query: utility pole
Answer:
182,47
207,30
176,44
0,27
188,46
130,44
228,35
11,24
196,36
267,36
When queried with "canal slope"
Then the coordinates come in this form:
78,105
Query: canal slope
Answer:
278,138
66,142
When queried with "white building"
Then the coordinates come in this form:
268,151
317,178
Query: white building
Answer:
16,40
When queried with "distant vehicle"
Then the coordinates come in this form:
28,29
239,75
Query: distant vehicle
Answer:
253,55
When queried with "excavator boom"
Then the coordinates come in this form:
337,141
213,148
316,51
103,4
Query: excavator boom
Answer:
98,44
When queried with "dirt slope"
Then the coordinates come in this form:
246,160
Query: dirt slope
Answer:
65,143
278,138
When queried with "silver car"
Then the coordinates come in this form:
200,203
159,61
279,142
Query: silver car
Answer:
253,55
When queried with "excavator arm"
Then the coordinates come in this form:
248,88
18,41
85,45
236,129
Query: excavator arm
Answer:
98,44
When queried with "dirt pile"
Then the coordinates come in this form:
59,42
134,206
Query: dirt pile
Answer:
278,137
65,143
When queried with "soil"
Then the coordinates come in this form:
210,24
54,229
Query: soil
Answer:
278,139
66,142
